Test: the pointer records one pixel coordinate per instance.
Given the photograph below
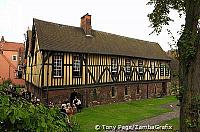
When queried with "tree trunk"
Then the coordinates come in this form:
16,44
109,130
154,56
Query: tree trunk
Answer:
191,85
190,69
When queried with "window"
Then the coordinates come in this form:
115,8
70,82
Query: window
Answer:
166,70
162,66
138,90
14,58
140,66
113,91
128,66
77,71
126,90
58,66
152,67
95,94
114,66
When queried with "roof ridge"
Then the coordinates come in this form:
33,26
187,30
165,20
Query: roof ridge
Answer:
8,42
54,23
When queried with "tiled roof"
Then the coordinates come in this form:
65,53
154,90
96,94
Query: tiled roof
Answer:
58,37
11,46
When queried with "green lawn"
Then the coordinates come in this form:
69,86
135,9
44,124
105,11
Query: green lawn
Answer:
174,123
121,113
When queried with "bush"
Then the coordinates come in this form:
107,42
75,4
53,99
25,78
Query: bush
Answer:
17,114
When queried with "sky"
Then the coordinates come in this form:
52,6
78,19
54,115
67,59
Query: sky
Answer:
122,17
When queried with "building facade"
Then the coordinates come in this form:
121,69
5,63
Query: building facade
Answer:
98,67
11,54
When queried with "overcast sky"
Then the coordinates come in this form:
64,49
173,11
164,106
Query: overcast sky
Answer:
122,17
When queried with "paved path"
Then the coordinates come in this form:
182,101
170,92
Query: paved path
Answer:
158,119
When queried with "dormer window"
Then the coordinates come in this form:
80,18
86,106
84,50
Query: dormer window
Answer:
114,66
77,66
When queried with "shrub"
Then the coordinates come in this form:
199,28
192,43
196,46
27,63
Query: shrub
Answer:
17,114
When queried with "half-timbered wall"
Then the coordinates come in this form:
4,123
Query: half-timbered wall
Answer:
96,69
34,65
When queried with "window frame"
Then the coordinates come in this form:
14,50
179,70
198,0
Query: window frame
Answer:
128,66
113,92
140,67
152,66
14,56
126,91
162,69
94,92
167,70
138,90
77,66
114,66
57,67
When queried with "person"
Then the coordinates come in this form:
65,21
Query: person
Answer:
63,110
77,102
69,111
64,106
74,108
78,105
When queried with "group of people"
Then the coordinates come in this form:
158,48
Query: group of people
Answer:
70,108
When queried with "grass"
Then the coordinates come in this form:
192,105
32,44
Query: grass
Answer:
121,113
174,123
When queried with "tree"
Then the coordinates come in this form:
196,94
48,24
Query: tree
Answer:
18,114
189,56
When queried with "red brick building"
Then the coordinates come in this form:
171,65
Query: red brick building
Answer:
11,55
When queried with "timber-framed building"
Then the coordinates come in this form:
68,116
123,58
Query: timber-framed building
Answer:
65,61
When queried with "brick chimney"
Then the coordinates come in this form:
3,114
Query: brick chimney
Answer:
86,24
2,39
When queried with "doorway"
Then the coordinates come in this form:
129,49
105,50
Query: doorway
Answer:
75,94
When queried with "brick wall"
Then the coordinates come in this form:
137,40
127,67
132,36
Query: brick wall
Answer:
91,96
